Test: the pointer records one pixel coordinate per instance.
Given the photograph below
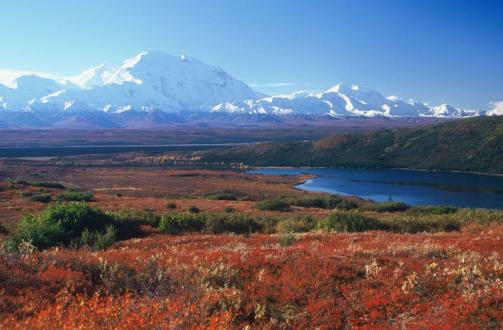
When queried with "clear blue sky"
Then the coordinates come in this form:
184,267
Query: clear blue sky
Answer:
435,51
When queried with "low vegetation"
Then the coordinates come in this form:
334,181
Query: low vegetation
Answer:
207,222
280,260
53,185
350,222
40,198
290,281
273,205
75,224
224,196
431,147
387,207
75,196
324,201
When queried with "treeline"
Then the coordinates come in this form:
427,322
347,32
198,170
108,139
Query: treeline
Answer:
474,144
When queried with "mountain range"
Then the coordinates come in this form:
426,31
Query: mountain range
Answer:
155,89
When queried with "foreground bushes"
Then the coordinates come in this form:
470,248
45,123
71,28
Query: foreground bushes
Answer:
207,222
325,201
41,198
78,224
350,222
59,224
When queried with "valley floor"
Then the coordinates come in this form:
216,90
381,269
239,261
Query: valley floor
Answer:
298,268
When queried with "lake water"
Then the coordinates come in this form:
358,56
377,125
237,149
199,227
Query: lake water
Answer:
408,186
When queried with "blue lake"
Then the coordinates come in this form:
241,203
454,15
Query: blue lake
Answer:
408,186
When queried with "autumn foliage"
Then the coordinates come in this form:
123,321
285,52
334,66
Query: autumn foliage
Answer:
344,280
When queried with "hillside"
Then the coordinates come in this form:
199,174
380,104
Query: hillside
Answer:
474,144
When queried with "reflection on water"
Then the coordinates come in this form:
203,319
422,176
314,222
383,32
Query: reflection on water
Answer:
409,186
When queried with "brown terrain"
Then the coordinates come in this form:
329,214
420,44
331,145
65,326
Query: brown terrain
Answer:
430,271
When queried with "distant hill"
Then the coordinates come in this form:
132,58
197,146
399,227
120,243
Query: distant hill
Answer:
474,144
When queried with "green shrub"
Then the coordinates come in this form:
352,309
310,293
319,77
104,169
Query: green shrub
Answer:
224,196
413,225
207,222
387,207
26,194
218,223
289,226
97,240
286,240
127,222
75,196
350,222
325,201
194,209
3,230
176,223
59,224
347,205
40,198
171,206
432,209
54,185
273,205
229,209
267,224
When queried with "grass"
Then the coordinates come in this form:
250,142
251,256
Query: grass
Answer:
54,185
350,222
207,222
171,206
224,196
387,207
292,225
75,196
41,198
325,201
432,209
273,205
96,240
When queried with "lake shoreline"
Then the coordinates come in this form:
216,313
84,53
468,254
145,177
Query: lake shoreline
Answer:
420,187
376,168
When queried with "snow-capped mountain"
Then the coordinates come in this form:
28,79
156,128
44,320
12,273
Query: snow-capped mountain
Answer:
343,100
147,81
156,88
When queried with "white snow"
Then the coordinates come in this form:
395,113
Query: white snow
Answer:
157,81
497,109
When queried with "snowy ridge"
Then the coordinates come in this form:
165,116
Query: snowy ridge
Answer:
153,82
342,100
